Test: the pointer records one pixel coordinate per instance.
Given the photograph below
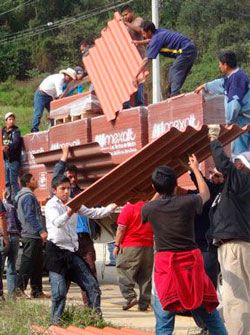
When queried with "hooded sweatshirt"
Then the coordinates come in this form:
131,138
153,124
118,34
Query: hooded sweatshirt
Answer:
29,213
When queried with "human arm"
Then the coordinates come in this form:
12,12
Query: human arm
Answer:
213,87
141,69
97,212
141,42
135,26
120,233
202,186
60,166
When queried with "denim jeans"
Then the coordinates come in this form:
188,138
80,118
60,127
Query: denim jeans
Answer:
11,178
180,69
139,98
111,246
41,101
165,320
11,256
79,273
241,143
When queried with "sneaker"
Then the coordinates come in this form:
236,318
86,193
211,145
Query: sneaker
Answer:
21,294
40,295
129,304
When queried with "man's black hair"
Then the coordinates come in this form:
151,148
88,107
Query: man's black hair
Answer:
229,58
126,7
71,168
164,180
148,26
25,179
58,180
88,41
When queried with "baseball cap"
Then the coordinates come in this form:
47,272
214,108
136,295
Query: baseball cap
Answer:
245,158
8,115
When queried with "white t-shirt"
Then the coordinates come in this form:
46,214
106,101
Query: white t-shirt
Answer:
53,85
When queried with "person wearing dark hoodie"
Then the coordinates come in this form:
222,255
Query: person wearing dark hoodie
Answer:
12,146
33,236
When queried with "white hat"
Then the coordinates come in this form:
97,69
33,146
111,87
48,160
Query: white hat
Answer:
69,72
245,158
8,115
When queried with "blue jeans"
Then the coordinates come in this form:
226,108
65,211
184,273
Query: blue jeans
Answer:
79,273
11,178
165,320
139,98
180,69
41,101
242,143
112,259
11,256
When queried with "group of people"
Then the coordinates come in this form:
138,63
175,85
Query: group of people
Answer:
185,238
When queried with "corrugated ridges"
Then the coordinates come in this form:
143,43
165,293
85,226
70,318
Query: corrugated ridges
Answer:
72,330
131,180
112,64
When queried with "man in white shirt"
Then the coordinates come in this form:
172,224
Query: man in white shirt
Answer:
62,260
50,88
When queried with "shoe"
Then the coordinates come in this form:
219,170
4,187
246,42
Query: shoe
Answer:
129,304
2,298
110,264
21,294
143,308
40,295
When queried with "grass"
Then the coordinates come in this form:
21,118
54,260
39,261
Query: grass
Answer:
17,97
16,317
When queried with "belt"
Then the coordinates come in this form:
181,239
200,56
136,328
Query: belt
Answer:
83,234
44,93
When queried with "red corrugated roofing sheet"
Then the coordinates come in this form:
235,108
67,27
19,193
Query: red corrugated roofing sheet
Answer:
2,177
131,180
112,64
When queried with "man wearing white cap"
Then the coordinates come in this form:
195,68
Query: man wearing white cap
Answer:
50,88
230,228
12,146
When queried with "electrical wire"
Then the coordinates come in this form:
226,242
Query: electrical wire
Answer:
15,8
58,24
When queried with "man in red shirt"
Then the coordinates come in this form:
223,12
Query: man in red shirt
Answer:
134,248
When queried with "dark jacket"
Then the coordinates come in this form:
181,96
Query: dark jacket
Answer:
202,221
59,169
14,140
29,213
231,217
13,224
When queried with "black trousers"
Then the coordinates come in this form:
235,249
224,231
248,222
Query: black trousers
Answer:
31,267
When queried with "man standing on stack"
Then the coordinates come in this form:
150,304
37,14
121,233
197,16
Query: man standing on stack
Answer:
12,146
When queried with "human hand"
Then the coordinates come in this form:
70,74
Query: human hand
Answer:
116,251
213,131
135,82
44,236
193,162
5,148
199,88
113,206
136,43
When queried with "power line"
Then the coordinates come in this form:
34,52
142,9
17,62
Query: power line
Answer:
15,8
58,24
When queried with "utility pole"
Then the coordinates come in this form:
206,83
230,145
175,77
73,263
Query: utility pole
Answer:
156,62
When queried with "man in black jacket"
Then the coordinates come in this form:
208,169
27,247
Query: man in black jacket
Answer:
12,146
231,232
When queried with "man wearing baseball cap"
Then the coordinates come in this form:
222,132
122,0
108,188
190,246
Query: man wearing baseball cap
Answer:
12,146
50,88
